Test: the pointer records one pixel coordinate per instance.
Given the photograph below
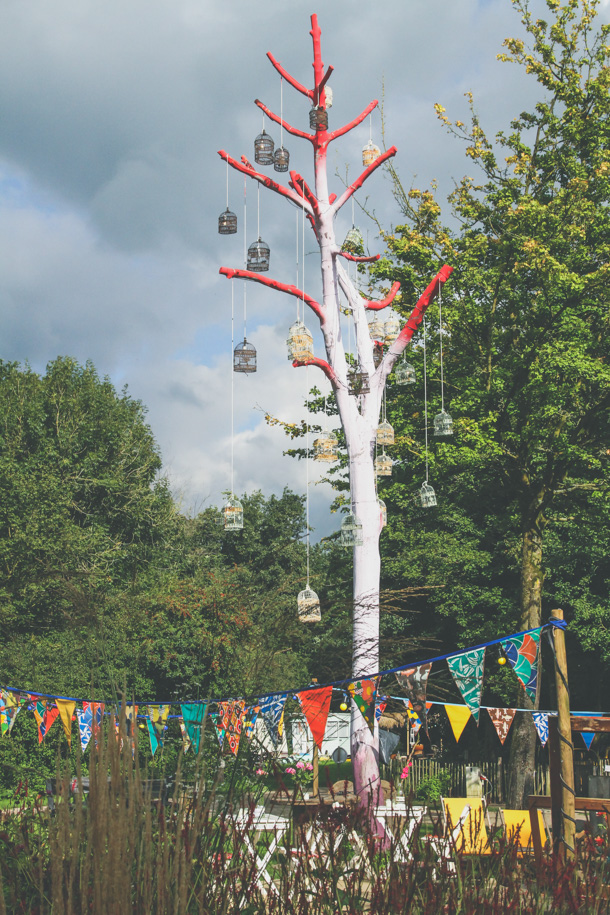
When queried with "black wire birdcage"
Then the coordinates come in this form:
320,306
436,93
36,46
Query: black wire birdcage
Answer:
244,358
281,159
227,223
258,256
263,149
318,118
358,381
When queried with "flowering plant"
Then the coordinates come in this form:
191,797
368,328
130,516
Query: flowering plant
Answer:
301,773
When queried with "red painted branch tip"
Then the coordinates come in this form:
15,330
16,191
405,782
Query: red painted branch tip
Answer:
321,364
231,272
383,303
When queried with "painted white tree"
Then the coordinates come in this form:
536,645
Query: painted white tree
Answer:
359,415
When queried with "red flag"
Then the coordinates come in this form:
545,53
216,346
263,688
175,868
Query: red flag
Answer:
315,704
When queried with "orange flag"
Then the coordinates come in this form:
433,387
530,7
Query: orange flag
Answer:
458,718
315,704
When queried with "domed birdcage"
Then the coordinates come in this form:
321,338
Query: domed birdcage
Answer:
377,329
299,342
404,373
391,330
383,465
443,424
351,531
281,159
263,149
353,243
258,256
318,118
244,357
325,447
370,152
227,223
328,97
308,606
377,353
385,433
233,512
383,513
427,496
358,381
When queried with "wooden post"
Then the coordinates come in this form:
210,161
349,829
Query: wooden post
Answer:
566,749
555,789
316,770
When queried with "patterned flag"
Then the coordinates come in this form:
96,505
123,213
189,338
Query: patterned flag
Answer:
252,714
232,717
541,723
502,719
9,709
156,722
193,714
45,717
272,713
467,671
380,707
66,710
364,694
220,731
315,705
85,724
186,740
459,716
98,716
522,654
414,680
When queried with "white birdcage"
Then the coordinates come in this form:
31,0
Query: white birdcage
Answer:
443,424
385,433
353,242
427,496
299,342
404,373
351,531
370,152
377,329
325,447
391,330
233,512
383,465
308,606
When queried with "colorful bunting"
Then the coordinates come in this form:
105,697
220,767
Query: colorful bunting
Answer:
231,718
220,731
458,718
541,723
193,714
252,714
315,705
156,723
66,710
414,680
467,671
9,709
522,654
364,694
272,713
44,716
153,735
588,737
502,719
380,707
85,724
186,740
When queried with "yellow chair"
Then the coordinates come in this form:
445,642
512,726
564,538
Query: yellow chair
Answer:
518,827
466,820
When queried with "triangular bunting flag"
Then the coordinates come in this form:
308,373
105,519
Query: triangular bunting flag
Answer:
85,724
220,731
154,737
186,740
458,716
522,654
193,714
9,709
414,680
45,717
231,718
467,671
66,710
588,737
131,715
380,707
252,714
272,713
315,705
502,719
364,693
157,719
541,723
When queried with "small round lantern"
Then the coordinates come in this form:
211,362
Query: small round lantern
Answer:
385,433
233,512
358,382
258,256
244,358
377,329
391,330
404,373
227,223
353,242
325,447
299,342
427,496
370,152
318,118
383,513
351,531
308,606
383,465
263,149
443,424
281,159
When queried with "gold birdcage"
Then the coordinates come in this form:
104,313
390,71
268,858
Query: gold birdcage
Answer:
351,531
391,330
258,256
244,357
427,496
299,342
370,152
308,606
325,447
263,149
377,329
385,433
233,512
443,424
404,373
383,465
227,223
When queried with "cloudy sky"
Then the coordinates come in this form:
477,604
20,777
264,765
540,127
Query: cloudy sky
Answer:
111,115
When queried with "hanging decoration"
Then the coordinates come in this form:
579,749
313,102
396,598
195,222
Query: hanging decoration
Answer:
299,342
227,221
258,252
541,723
318,118
377,329
66,710
84,717
502,719
443,424
383,465
391,330
231,714
186,740
588,737
252,713
385,433
315,705
404,373
414,681
351,531
193,715
281,156
272,713
364,693
244,357
45,717
325,447
156,723
358,381
467,671
263,148
459,716
522,654
370,151
9,709
308,606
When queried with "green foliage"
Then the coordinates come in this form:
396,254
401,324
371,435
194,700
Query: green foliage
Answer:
433,787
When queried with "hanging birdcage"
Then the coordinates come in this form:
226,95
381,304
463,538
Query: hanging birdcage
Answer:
299,342
233,512
318,118
351,531
377,354
263,149
258,256
325,447
427,496
328,97
308,606
244,357
383,465
443,424
377,329
370,152
353,242
358,381
385,433
227,223
404,373
391,330
383,513
281,159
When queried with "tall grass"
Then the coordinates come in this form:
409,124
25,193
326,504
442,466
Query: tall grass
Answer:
122,852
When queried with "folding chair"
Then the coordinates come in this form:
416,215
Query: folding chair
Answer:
471,814
250,823
518,829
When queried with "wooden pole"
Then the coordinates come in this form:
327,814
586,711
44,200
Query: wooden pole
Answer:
316,770
566,749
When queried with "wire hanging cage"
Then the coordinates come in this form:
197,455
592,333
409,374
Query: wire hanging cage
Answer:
358,381
377,354
263,149
318,118
377,329
427,495
443,424
281,159
370,152
227,223
258,256
308,606
244,358
353,243
383,465
351,531
404,373
383,513
233,512
391,329
385,433
299,342
325,447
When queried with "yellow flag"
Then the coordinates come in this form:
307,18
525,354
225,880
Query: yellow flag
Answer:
66,710
458,718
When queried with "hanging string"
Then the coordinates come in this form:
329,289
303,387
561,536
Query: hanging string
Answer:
245,251
425,402
232,375
440,332
307,474
281,112
298,275
371,127
227,182
258,210
303,247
